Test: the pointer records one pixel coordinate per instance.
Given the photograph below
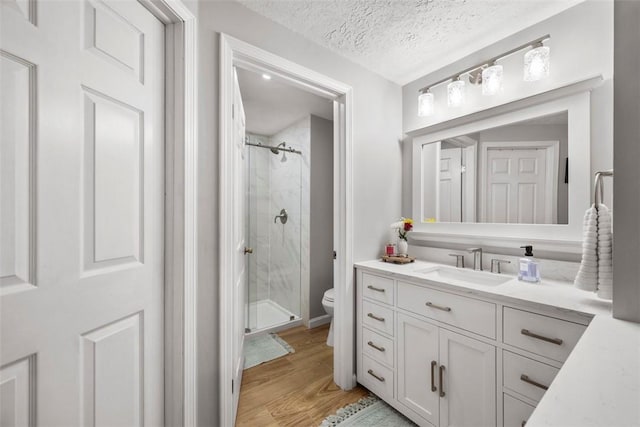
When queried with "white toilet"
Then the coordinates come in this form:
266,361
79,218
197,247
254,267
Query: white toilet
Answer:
327,303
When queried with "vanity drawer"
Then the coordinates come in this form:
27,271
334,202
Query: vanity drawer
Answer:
465,313
516,412
377,288
543,335
526,376
377,347
377,378
377,317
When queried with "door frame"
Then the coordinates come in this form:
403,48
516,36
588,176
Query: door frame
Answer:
180,251
237,52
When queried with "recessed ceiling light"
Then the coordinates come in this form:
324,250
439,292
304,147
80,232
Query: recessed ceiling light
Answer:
266,76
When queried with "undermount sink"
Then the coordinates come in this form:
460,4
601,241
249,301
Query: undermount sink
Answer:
456,276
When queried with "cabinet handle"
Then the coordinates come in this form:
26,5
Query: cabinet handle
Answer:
442,393
371,344
556,341
439,307
373,288
373,316
370,372
528,380
433,382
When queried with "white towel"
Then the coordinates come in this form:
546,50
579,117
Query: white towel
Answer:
596,268
587,278
605,259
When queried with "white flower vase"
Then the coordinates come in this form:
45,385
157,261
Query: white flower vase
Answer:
403,247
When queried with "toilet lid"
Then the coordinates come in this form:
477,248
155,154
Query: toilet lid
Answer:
328,295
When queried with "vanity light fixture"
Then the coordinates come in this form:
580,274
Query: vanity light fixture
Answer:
489,74
456,92
492,79
536,63
425,103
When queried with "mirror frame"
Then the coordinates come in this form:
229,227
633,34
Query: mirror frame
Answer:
565,237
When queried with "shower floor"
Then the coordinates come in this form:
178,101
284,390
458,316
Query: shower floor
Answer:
269,316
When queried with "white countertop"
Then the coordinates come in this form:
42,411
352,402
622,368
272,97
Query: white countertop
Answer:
548,294
599,384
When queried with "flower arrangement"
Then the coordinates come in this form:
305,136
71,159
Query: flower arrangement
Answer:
404,226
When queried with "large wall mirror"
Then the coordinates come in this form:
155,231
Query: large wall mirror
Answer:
516,173
521,174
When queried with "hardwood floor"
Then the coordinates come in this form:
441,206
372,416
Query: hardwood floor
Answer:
297,389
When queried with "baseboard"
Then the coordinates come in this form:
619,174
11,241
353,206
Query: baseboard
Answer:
319,321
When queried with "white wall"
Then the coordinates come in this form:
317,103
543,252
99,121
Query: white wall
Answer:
377,130
626,244
581,47
321,218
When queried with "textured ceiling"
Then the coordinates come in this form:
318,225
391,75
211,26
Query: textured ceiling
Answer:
272,105
403,40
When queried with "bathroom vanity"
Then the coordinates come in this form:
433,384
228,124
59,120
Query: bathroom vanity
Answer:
448,346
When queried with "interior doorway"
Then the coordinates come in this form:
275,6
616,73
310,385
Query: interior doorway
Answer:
235,53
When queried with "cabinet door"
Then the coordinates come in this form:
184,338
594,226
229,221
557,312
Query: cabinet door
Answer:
417,351
469,381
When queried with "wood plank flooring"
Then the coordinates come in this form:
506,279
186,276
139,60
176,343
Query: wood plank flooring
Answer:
297,389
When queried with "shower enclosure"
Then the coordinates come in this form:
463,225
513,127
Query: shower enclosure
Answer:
274,232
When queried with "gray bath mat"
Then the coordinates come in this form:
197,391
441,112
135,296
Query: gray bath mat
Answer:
263,348
368,411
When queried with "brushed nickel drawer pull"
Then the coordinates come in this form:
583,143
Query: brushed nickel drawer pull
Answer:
442,393
433,382
373,288
373,316
528,380
556,341
439,307
371,344
370,372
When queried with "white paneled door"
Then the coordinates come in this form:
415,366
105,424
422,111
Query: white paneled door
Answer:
81,214
450,185
240,301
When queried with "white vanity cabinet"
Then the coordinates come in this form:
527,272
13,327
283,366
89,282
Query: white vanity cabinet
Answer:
446,357
447,378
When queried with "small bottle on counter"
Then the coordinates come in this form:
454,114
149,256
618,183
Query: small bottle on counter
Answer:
529,268
390,249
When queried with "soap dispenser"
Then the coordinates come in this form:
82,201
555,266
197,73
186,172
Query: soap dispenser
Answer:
529,270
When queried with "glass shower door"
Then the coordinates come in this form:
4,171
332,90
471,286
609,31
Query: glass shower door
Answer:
273,231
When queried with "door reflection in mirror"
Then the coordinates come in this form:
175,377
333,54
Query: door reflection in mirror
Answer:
511,174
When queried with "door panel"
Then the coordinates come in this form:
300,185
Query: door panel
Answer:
517,186
82,215
450,196
469,381
417,349
239,229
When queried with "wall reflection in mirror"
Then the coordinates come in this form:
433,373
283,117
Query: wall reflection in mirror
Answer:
515,174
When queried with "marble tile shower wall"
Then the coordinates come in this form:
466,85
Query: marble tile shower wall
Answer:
281,256
290,242
259,178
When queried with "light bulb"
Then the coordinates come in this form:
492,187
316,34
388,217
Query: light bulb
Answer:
455,93
425,104
536,63
492,80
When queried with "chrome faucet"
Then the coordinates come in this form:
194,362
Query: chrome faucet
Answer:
477,258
